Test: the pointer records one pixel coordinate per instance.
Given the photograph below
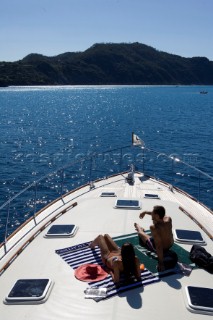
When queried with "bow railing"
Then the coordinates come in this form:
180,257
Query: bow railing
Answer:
85,169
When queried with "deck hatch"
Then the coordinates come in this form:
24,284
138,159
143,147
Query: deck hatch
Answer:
151,196
188,236
199,299
62,230
29,291
127,204
108,194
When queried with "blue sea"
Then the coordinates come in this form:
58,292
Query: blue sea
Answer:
45,128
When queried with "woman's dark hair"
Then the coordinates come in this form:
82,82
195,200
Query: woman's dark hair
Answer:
128,260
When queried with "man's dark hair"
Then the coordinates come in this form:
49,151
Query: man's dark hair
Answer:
160,211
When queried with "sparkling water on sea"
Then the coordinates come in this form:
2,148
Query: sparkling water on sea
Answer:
45,128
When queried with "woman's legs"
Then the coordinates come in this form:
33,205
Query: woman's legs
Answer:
112,246
100,241
106,245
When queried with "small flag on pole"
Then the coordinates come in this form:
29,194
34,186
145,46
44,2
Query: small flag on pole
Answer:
136,141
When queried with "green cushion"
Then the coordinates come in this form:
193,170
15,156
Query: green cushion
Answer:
149,259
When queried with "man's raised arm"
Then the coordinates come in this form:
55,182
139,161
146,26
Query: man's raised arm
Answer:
142,214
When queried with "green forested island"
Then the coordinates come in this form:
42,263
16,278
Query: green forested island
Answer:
108,63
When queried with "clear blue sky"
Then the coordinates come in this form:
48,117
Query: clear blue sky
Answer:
52,27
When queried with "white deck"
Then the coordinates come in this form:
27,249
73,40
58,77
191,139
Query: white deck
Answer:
94,215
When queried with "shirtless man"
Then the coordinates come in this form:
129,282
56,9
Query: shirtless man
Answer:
161,230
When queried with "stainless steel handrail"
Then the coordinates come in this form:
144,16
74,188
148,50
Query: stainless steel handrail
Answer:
141,159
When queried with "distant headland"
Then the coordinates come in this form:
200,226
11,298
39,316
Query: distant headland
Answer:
108,64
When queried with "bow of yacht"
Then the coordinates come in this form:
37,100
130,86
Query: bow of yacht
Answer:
106,206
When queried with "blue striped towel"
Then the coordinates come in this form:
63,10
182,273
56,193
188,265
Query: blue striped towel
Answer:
80,254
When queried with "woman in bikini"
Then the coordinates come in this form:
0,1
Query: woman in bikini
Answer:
118,260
